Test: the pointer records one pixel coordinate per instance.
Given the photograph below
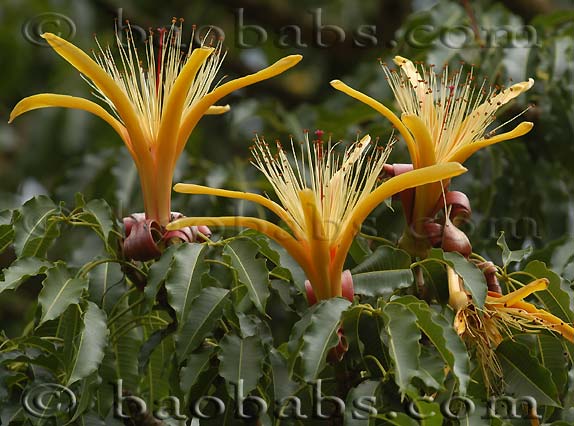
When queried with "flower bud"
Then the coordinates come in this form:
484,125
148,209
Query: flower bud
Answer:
453,239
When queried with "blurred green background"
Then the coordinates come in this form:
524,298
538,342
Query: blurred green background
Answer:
524,187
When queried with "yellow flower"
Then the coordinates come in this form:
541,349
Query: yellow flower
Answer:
156,100
444,118
485,328
323,199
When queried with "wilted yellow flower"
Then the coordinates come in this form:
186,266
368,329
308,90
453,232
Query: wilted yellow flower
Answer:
485,328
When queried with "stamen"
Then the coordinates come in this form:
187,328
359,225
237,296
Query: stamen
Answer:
158,71
147,82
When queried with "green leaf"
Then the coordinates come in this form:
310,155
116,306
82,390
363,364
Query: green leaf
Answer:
562,256
251,272
359,250
382,283
403,343
509,256
552,357
86,394
524,375
155,378
251,325
60,290
352,326
461,366
183,281
91,344
106,285
360,401
398,419
100,213
21,270
287,262
429,412
240,361
283,384
384,258
157,274
474,279
443,336
155,339
205,310
320,336
196,364
9,414
33,230
296,336
92,419
69,327
6,229
121,358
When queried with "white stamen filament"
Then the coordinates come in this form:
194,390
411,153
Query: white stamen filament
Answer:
339,182
148,87
456,112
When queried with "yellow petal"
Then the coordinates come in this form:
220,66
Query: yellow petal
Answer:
47,100
420,87
425,196
423,139
337,179
165,149
384,111
88,67
274,232
319,246
462,154
517,295
488,107
191,118
401,182
216,109
556,324
387,189
520,305
457,297
173,109
186,188
407,66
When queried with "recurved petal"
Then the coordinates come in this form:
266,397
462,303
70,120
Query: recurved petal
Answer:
174,104
277,68
404,181
48,100
194,114
511,298
463,153
88,67
504,97
385,112
387,189
188,188
216,109
423,139
419,86
407,67
274,232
